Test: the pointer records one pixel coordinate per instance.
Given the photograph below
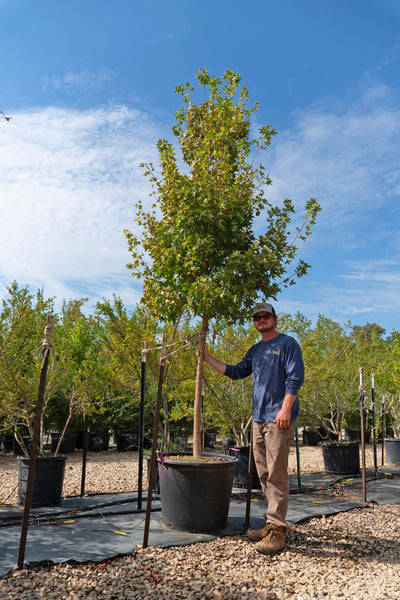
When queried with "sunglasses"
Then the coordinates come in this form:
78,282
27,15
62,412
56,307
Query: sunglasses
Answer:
259,317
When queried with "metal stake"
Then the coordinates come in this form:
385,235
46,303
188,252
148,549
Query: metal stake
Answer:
362,398
141,426
298,458
383,429
84,453
250,478
154,443
374,423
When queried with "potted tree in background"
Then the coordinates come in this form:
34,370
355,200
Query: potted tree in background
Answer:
22,325
82,373
389,384
75,386
332,355
197,252
123,335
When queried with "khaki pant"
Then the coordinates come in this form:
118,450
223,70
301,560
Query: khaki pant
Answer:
271,447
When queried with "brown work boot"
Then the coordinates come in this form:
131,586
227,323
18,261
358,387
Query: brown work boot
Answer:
273,541
259,534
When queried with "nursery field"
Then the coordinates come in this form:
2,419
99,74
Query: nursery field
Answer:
352,555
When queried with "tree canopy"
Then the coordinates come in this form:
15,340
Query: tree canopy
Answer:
198,252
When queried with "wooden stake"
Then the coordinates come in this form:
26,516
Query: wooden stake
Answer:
46,347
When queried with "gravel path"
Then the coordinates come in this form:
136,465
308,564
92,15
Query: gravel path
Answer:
353,555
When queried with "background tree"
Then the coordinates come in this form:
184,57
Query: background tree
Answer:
330,391
199,252
81,367
22,323
388,381
123,333
227,403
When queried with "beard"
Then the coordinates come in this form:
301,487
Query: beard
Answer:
264,326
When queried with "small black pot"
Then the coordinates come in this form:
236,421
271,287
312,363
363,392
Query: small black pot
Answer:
156,482
17,449
127,442
230,442
392,447
68,444
311,437
8,441
98,441
210,439
341,458
241,476
47,483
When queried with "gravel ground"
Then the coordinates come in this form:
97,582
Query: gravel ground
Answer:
353,555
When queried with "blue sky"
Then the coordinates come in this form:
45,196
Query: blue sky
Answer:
90,88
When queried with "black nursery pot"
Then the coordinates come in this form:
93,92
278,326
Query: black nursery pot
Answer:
17,448
341,458
392,447
156,480
311,437
8,441
48,480
241,476
195,496
98,441
127,442
68,444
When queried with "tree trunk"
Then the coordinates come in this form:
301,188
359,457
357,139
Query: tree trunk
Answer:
197,442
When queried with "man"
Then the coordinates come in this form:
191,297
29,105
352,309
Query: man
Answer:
276,364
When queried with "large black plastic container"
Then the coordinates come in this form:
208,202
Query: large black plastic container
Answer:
195,496
68,444
48,480
127,442
311,437
97,441
241,476
210,439
18,450
8,441
392,447
341,458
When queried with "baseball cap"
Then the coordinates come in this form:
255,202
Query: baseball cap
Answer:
263,307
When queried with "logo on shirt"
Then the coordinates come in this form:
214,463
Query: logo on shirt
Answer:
273,352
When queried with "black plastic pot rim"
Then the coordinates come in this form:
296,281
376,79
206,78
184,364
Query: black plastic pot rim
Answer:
340,444
392,439
42,458
168,459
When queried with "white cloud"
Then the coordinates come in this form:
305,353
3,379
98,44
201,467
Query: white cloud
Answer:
68,184
82,80
348,158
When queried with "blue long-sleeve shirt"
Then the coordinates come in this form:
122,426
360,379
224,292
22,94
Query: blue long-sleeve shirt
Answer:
278,369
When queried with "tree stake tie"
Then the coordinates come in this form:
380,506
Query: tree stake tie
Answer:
47,346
